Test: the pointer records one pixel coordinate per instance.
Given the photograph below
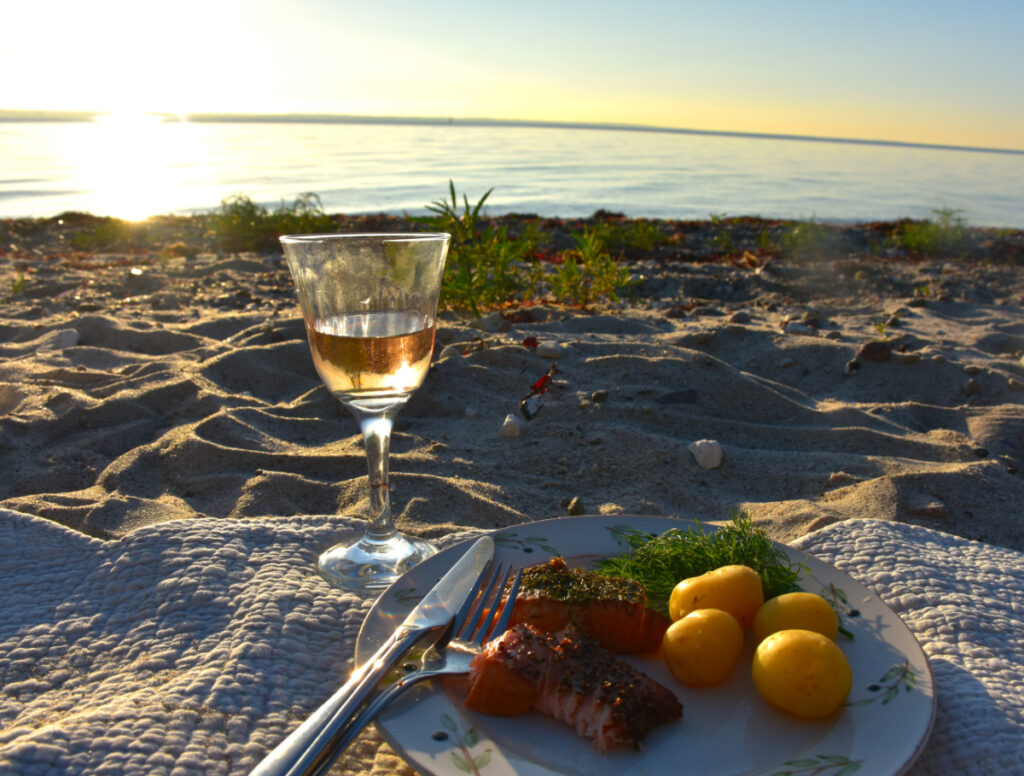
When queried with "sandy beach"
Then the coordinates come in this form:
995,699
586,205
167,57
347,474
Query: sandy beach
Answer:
138,389
142,387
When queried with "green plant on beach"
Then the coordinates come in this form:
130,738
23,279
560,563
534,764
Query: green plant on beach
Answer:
243,225
486,267
111,234
722,239
627,236
924,291
945,236
588,272
766,241
805,239
19,284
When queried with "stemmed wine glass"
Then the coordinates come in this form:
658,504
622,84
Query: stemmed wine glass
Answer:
369,302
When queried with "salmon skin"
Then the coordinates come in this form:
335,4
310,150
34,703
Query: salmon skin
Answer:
611,609
569,676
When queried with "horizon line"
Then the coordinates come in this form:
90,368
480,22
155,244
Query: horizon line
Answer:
343,118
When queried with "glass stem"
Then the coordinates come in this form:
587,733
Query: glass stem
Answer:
376,428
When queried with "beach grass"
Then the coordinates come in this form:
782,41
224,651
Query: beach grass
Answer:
489,268
243,225
945,236
498,262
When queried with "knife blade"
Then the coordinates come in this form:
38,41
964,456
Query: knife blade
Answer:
308,745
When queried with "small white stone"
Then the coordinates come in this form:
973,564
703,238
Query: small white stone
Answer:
707,453
492,323
510,428
58,340
549,350
799,328
452,350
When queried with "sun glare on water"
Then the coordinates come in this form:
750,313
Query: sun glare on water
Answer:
134,165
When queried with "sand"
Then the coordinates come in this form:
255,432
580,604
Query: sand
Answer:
136,390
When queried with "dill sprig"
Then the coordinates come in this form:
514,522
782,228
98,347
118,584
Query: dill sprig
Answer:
659,563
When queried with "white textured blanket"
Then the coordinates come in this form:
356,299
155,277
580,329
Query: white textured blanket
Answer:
964,601
193,646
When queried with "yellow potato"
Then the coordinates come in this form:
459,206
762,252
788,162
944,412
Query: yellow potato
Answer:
802,672
796,610
702,648
733,589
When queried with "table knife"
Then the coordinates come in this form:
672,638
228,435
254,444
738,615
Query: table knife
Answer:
303,751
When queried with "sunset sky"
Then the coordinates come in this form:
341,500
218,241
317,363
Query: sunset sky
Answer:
931,72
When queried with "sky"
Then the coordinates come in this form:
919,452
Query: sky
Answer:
941,72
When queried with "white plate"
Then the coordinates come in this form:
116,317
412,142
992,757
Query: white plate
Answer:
725,730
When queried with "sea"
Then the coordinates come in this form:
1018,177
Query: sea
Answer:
135,166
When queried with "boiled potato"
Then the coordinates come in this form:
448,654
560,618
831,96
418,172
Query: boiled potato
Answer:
733,589
802,672
702,648
806,611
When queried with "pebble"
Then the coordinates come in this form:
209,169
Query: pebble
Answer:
972,369
58,340
740,316
510,428
704,336
492,323
972,387
549,350
851,368
908,358
454,349
935,510
841,479
833,334
599,395
575,506
878,352
682,396
707,453
798,328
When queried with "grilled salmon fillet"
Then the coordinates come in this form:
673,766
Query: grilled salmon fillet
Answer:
612,610
569,676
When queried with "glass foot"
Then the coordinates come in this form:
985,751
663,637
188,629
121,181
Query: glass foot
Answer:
372,565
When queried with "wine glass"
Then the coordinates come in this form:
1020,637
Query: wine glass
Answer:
369,302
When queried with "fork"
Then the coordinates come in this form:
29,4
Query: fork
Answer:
480,619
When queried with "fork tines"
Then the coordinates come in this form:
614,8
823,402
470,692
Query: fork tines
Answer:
488,616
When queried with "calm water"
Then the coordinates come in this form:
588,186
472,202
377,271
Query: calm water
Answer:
135,167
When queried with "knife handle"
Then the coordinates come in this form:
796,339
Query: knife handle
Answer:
303,751
368,713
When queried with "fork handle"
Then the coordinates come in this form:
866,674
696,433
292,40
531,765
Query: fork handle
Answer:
303,751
